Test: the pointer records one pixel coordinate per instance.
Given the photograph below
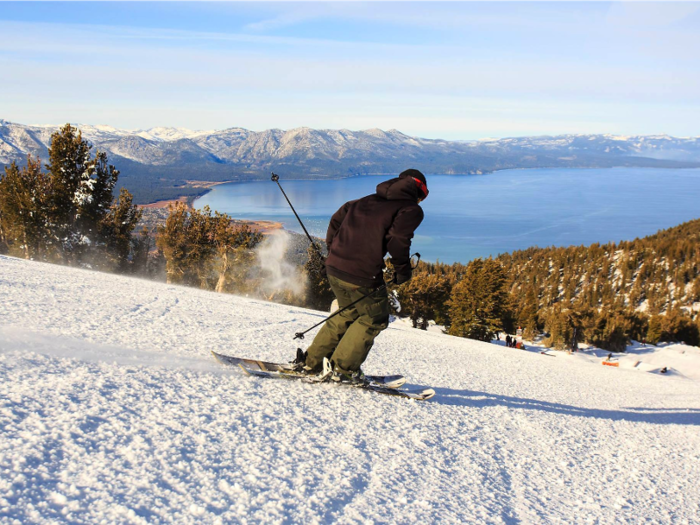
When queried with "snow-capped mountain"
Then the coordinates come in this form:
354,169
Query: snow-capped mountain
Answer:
653,146
343,152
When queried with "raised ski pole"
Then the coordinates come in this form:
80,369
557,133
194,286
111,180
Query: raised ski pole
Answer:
276,178
300,335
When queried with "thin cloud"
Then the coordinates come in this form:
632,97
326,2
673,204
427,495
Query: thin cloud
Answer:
658,15
551,75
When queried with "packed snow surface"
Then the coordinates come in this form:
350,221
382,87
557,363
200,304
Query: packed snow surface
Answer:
113,411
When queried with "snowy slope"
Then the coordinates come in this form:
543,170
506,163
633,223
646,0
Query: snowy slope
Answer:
111,410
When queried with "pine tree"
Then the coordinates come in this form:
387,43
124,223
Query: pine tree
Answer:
654,330
81,192
233,246
608,330
141,253
116,228
676,326
188,242
67,214
173,241
559,325
526,312
24,211
478,301
425,298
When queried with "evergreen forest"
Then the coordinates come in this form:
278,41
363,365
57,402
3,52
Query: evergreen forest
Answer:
647,289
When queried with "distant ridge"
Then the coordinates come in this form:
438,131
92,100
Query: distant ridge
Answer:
162,156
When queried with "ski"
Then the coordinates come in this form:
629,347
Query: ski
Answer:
393,381
418,395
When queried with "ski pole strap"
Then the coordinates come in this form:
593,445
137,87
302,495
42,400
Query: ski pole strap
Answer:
276,178
300,335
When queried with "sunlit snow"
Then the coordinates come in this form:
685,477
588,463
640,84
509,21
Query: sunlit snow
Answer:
113,411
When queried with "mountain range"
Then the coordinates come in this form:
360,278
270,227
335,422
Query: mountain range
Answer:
175,155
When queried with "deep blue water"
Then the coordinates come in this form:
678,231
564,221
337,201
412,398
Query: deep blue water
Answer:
469,216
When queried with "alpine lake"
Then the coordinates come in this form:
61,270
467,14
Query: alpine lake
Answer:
470,216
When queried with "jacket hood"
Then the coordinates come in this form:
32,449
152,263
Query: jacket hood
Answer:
399,189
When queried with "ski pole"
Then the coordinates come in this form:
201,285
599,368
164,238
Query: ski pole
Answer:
276,178
300,335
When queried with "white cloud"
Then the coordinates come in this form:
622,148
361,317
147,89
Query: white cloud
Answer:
650,14
138,78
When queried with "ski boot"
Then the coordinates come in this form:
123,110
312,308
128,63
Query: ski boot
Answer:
299,361
299,365
355,378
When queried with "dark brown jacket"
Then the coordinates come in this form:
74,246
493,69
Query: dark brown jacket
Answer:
362,231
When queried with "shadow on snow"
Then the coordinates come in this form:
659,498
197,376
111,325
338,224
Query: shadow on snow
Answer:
659,416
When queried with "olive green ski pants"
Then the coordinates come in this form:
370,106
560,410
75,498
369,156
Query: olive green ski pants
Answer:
347,338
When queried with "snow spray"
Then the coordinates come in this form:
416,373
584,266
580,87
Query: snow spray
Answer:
279,275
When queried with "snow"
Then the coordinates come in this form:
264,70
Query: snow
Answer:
677,358
113,411
169,134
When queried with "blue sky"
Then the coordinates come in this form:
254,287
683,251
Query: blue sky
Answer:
439,70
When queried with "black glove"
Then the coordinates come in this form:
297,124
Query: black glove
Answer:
399,279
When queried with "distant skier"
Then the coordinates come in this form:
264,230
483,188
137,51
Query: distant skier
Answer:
574,340
359,235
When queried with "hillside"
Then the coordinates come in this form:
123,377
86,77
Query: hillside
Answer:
651,273
112,409
158,162
647,288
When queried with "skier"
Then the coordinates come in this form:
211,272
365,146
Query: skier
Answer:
359,235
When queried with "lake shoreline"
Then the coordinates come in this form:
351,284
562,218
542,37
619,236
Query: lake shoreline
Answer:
263,226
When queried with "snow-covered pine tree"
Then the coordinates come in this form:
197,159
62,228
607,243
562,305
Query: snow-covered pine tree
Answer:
68,214
81,193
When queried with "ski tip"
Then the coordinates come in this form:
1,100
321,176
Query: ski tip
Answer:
427,394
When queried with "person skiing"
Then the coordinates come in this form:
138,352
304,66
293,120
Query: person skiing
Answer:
359,235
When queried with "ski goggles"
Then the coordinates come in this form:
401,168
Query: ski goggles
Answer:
422,188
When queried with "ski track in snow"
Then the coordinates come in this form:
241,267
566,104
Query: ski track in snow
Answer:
113,411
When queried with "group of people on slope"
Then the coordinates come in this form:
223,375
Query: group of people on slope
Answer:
512,342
